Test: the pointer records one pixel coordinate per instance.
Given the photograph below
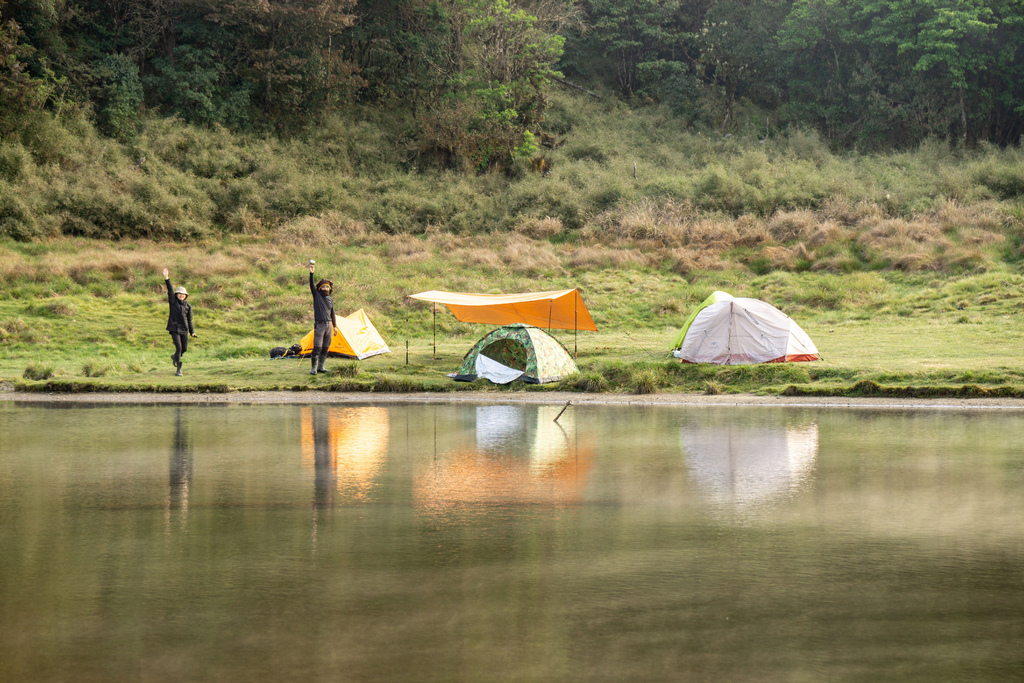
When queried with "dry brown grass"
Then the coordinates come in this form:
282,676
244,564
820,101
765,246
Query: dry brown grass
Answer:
601,256
789,226
530,257
952,216
785,257
752,231
406,248
331,228
540,228
828,232
685,261
846,212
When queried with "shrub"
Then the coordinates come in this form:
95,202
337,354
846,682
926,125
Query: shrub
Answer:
38,372
17,220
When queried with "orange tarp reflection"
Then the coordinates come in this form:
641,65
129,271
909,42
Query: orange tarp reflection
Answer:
553,471
356,445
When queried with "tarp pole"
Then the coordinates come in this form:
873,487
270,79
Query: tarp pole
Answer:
551,302
406,331
435,330
575,308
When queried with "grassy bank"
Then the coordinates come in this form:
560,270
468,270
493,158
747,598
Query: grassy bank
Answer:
904,268
79,315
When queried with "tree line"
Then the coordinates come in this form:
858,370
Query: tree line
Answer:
474,76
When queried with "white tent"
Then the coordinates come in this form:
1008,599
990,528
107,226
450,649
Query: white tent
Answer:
735,331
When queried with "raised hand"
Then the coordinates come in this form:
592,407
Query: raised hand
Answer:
166,274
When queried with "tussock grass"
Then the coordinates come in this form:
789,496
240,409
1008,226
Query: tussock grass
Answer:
38,371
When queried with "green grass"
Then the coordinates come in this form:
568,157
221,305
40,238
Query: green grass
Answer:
82,315
904,268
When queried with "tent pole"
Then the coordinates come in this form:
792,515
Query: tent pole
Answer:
407,331
435,330
551,302
575,325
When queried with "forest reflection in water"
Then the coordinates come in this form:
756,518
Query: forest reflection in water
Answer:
618,542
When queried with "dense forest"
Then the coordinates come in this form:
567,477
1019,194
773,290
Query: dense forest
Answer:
475,76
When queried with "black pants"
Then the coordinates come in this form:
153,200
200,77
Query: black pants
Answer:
180,345
322,333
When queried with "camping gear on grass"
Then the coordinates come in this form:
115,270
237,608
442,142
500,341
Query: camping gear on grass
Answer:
358,338
516,352
725,330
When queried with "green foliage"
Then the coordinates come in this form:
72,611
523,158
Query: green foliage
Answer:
194,84
120,96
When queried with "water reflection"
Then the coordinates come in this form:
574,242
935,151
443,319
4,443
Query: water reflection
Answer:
493,539
180,479
743,466
520,457
346,447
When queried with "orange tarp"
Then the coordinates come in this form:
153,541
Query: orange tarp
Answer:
563,310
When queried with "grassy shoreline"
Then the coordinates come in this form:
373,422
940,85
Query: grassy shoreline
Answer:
80,315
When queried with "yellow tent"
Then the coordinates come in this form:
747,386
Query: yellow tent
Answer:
358,338
562,310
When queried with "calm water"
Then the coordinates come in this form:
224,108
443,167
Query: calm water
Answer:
487,542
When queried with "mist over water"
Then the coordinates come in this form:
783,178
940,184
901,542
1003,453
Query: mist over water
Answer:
478,542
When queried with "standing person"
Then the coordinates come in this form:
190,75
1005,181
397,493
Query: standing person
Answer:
323,320
179,321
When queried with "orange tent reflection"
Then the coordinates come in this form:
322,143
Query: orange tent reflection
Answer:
522,457
345,446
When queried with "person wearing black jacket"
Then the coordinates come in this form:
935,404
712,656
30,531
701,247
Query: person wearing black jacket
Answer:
323,321
179,321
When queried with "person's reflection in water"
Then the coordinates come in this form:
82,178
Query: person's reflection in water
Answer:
180,479
324,475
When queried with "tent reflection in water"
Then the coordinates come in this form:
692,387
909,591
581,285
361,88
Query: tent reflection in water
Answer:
726,330
346,448
521,457
516,352
746,465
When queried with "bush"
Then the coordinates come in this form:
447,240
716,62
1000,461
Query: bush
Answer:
38,372
17,220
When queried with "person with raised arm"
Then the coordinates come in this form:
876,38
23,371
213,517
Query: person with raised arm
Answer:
179,321
323,320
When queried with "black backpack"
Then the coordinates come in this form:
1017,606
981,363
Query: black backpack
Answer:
277,352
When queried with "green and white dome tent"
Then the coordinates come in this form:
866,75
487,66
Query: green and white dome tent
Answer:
726,330
516,352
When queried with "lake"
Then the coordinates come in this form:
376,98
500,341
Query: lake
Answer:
454,541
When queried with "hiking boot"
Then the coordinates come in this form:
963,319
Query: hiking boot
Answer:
320,367
312,371
178,373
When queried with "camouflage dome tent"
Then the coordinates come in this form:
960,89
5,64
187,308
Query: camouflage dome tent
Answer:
516,352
